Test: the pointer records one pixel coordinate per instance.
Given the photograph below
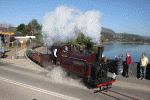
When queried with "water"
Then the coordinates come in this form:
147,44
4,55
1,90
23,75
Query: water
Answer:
135,50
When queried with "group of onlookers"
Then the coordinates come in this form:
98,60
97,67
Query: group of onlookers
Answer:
127,65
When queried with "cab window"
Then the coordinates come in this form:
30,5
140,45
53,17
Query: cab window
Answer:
65,49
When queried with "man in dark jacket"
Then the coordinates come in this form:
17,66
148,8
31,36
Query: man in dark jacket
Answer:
128,64
119,62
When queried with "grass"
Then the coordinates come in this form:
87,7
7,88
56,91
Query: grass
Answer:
12,47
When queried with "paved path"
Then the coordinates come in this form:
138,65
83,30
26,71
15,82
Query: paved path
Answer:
11,51
22,60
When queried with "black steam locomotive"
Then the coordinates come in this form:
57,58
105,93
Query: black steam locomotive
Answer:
92,67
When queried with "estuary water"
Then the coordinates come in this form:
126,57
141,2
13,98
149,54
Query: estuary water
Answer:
134,48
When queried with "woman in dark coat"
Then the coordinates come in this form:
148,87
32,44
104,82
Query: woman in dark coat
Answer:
119,62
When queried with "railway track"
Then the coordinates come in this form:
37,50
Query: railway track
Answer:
116,95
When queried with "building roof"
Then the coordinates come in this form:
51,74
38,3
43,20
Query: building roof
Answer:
17,34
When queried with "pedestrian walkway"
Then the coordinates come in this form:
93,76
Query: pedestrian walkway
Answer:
11,51
134,71
22,61
131,81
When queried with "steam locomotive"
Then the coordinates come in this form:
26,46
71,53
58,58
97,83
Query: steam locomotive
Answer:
92,67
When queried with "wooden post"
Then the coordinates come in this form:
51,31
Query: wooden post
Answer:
15,52
12,44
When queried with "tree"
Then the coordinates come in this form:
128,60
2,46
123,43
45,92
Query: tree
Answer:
28,29
21,27
34,26
88,43
4,27
80,39
103,39
23,32
84,41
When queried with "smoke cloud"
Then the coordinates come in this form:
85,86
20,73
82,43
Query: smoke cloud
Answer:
59,75
66,23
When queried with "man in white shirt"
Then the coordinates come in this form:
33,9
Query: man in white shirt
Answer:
143,65
55,55
55,51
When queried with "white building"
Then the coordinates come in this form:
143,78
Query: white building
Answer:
23,39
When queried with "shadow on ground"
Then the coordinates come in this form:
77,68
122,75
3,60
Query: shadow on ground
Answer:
147,71
7,51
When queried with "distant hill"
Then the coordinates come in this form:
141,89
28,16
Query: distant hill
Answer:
106,30
107,33
112,36
146,37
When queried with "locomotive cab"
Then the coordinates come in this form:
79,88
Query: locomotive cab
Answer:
57,51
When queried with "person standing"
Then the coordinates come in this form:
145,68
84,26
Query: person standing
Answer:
127,64
119,62
143,65
2,52
55,55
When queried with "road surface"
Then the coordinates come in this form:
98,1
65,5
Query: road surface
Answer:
26,84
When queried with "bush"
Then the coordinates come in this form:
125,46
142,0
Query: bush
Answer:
85,42
28,42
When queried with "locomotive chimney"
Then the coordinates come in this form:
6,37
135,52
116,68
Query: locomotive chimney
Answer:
100,50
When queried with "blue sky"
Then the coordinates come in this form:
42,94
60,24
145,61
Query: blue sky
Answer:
131,16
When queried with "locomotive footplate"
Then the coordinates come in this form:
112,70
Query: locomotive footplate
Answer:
102,82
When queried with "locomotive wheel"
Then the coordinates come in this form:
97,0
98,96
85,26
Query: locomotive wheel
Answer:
109,85
42,64
33,59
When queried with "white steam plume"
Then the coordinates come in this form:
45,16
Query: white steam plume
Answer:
66,23
57,74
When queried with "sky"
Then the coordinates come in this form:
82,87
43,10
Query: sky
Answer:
130,16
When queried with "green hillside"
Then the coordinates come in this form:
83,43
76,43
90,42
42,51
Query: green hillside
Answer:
125,37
